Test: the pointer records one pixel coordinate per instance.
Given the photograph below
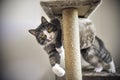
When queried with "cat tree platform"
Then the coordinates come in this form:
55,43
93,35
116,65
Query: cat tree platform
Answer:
54,8
96,76
90,75
69,11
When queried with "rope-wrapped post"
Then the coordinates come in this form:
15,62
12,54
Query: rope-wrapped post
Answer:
71,44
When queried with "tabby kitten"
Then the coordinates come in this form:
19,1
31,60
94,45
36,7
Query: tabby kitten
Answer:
49,35
93,49
99,57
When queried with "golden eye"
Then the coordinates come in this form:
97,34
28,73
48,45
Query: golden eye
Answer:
43,36
49,30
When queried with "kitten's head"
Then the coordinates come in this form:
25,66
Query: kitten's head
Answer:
45,32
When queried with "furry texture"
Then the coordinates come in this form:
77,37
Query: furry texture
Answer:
87,33
98,56
93,49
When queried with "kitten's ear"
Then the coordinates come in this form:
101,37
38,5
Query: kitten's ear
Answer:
43,20
33,32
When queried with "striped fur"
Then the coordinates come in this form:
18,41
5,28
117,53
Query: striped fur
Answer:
97,55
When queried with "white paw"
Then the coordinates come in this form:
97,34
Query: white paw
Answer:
112,67
98,69
58,70
112,70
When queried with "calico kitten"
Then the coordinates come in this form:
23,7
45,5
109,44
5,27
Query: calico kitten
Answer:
49,35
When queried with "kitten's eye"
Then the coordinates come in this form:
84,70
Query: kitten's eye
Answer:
49,30
43,36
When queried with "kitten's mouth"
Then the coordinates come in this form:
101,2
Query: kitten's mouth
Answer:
48,40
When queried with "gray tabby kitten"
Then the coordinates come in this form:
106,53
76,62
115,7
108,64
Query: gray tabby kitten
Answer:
93,50
49,35
98,56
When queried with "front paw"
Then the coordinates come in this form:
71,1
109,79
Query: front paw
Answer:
58,70
98,69
112,70
112,67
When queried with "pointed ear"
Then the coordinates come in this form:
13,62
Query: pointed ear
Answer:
33,32
43,20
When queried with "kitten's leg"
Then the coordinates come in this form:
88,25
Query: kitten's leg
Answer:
112,67
98,68
54,58
55,63
62,55
94,60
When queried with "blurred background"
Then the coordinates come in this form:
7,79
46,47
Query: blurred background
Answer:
24,59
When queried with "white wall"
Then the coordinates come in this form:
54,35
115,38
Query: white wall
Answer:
107,22
24,59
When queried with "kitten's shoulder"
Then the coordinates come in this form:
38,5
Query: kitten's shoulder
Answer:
85,20
86,23
55,21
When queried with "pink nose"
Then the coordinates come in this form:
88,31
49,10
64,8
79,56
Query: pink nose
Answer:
50,37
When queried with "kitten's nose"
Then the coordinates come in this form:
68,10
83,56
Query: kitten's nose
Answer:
50,37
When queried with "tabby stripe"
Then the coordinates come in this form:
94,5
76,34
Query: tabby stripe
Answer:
52,52
108,58
104,56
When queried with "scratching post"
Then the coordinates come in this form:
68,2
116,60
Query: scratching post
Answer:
71,44
69,11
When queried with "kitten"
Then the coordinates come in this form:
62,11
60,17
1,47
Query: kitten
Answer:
93,49
49,35
98,56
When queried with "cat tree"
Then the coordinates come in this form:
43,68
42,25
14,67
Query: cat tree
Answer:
69,11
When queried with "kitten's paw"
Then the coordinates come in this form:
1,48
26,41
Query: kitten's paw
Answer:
112,67
98,69
58,70
112,70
